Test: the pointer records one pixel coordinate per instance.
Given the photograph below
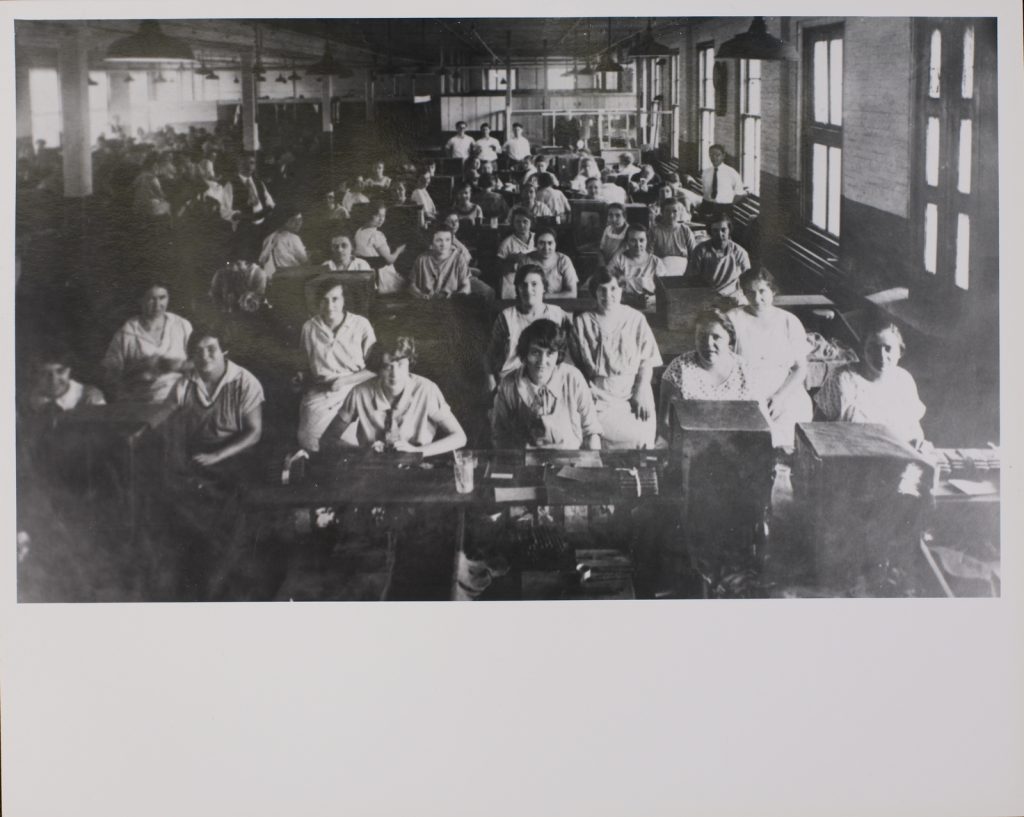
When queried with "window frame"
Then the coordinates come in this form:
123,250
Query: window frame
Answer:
705,106
751,179
813,132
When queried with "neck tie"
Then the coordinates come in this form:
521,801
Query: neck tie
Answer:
714,185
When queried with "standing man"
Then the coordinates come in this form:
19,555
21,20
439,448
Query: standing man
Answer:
719,261
459,145
517,146
489,146
247,203
723,186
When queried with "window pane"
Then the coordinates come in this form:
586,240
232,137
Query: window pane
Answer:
819,185
755,183
931,154
964,182
963,250
755,95
709,73
935,66
931,236
821,81
835,81
967,83
835,175
744,87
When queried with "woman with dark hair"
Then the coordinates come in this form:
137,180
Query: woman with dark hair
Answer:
713,371
876,389
145,356
558,269
397,410
616,351
336,343
530,286
283,248
52,387
370,242
774,344
545,403
515,247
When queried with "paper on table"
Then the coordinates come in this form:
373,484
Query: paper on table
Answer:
974,487
582,474
517,494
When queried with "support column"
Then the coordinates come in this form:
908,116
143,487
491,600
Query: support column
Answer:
250,130
73,69
370,102
508,84
326,93
120,101
23,96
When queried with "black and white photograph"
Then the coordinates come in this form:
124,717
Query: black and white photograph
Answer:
678,339
502,309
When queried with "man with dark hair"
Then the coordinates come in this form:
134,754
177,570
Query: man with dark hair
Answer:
723,186
517,146
459,145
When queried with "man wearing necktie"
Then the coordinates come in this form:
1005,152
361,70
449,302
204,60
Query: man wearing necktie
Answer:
247,204
723,186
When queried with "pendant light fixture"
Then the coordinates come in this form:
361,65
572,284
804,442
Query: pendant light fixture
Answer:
646,47
756,44
327,66
607,65
150,45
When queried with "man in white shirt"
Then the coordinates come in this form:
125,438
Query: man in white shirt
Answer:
489,146
459,145
722,184
517,146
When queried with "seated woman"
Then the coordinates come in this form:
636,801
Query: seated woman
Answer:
343,257
145,356
671,238
558,270
529,201
336,343
370,242
773,343
588,170
283,248
638,267
52,388
420,196
875,389
441,271
463,206
397,410
514,248
713,371
531,285
545,403
377,182
221,404
616,351
613,239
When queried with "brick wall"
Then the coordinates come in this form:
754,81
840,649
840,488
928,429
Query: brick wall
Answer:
877,62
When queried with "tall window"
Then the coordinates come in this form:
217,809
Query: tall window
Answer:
750,124
44,98
947,136
706,100
823,126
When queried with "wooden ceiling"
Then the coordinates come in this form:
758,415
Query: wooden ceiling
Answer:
410,43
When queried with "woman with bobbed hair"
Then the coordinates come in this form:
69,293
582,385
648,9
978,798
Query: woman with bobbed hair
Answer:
530,286
144,359
397,410
876,389
615,349
774,344
546,402
713,371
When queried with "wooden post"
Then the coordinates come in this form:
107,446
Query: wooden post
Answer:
73,68
250,128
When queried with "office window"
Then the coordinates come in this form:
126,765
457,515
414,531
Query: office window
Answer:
945,174
750,124
705,100
823,127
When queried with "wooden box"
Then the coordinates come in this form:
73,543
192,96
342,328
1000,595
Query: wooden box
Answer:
862,494
679,303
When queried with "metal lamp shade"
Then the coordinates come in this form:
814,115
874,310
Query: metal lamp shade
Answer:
150,44
756,44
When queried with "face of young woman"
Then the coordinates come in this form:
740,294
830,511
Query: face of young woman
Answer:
545,245
394,373
593,188
521,225
636,244
882,351
462,197
608,295
208,358
441,243
378,218
540,364
341,250
531,290
332,306
452,223
712,342
616,219
670,213
154,302
53,379
759,296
